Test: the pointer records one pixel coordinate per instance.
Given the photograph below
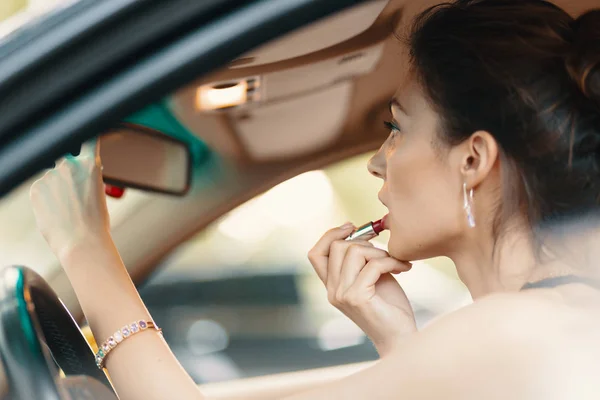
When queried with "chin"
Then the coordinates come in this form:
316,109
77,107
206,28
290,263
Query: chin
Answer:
407,249
397,249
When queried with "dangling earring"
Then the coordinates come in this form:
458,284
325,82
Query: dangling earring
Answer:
468,205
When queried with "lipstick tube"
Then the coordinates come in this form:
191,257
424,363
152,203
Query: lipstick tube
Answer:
367,231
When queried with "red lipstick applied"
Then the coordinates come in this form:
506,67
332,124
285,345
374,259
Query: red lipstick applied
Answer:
368,231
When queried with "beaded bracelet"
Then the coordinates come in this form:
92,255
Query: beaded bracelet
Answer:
119,336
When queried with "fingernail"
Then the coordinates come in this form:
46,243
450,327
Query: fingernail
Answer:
347,225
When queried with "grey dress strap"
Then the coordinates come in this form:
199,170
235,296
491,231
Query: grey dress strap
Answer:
561,280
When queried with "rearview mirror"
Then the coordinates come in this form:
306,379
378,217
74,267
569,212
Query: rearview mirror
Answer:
138,157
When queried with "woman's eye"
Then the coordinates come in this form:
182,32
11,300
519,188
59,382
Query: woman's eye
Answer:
391,127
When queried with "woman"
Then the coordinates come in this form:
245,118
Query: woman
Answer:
495,137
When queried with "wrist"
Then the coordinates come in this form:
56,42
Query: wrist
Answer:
84,247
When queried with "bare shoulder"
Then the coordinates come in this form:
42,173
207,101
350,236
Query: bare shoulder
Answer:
524,321
510,310
526,315
526,341
511,320
510,346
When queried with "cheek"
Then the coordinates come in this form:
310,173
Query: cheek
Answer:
410,170
405,181
422,207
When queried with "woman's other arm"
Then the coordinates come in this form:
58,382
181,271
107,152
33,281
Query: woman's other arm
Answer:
70,209
142,366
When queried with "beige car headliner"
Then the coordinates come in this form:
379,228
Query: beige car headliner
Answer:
354,77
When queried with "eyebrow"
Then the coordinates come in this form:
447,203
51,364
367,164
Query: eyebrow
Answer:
395,102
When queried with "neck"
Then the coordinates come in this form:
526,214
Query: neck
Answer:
486,265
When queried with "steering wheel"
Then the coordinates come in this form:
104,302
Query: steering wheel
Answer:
38,336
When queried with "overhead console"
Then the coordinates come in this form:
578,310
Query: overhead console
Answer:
253,91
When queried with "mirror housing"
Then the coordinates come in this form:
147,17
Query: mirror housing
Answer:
134,156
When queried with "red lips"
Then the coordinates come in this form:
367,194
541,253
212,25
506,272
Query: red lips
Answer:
384,222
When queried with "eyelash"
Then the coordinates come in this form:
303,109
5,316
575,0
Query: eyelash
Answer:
391,126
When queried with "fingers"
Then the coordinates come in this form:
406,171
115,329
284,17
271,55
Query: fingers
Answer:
91,149
38,197
319,254
71,177
90,155
35,189
370,274
338,257
360,291
81,166
67,162
355,260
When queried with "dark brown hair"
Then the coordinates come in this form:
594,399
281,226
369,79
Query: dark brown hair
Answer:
529,74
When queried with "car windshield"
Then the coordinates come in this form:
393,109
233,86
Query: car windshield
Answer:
18,14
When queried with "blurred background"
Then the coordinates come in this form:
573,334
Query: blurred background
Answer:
240,299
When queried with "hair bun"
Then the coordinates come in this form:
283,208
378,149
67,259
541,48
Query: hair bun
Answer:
584,62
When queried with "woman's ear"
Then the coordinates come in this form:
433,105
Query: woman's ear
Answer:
480,153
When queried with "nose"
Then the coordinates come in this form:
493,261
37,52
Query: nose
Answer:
377,164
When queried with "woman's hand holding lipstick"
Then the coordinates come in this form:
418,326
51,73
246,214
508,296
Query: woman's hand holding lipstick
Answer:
359,282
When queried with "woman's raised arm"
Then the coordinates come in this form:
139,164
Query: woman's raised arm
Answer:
70,208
